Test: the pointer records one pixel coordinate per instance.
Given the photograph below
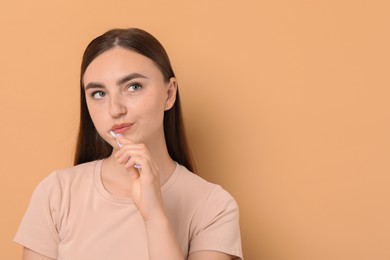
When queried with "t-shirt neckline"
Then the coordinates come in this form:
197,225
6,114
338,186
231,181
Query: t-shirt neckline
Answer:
107,195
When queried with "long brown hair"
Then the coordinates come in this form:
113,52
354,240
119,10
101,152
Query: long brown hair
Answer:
90,145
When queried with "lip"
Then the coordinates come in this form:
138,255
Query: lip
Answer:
119,129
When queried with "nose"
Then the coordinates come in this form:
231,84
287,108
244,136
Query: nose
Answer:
117,106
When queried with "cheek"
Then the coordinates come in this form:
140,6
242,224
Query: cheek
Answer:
151,104
154,108
96,115
91,111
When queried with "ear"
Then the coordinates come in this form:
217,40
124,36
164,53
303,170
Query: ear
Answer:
171,94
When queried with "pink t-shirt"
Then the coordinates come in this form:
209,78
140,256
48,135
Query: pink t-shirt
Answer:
72,216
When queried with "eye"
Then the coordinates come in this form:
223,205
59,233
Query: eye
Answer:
134,87
98,94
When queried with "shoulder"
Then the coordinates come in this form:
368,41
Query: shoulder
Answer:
214,215
194,188
49,208
78,172
58,181
200,184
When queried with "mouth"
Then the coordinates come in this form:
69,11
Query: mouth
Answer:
120,129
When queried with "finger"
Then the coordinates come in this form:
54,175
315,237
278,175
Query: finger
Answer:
123,159
123,140
131,163
130,149
145,167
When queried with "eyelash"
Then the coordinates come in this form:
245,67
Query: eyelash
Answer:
138,85
103,94
97,92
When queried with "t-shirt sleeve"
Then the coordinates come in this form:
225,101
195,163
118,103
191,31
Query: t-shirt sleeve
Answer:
217,227
38,230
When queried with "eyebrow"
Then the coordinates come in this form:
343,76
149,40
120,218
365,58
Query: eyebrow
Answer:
119,82
130,77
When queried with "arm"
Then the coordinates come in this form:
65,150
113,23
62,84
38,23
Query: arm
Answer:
146,194
163,244
32,255
162,240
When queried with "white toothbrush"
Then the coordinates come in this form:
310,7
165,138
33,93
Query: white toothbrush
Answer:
116,138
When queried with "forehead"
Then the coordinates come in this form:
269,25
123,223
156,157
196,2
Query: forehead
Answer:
117,62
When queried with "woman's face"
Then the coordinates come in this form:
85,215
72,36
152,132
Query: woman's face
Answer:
126,93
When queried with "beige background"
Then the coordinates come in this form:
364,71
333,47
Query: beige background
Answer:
286,105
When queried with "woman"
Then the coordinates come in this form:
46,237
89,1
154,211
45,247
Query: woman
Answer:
131,193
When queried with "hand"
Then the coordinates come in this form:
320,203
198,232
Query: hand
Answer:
145,181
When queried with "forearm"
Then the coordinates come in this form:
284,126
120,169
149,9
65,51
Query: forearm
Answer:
162,241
